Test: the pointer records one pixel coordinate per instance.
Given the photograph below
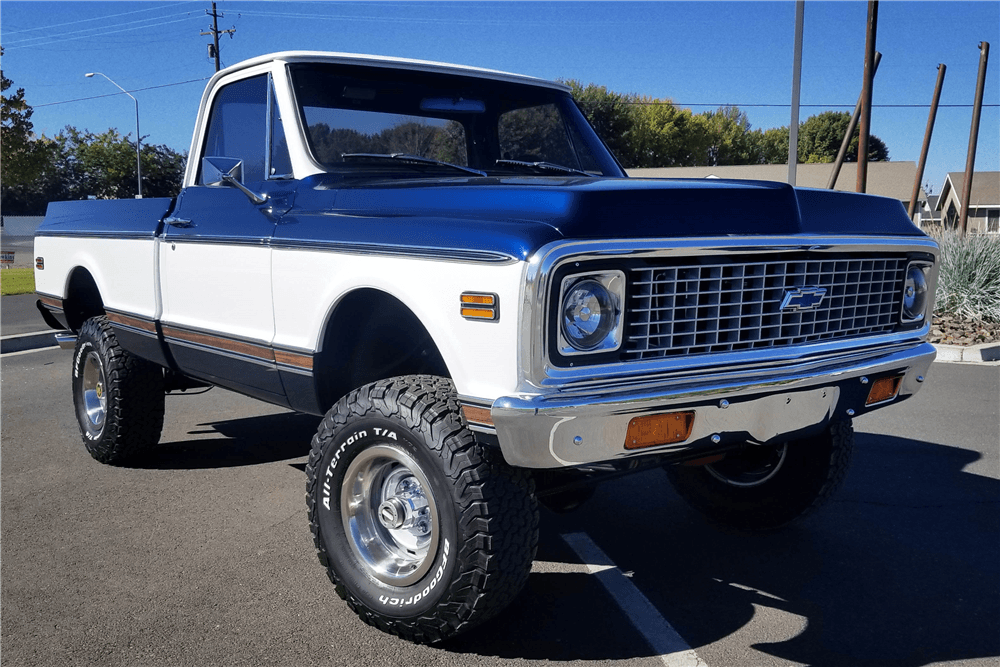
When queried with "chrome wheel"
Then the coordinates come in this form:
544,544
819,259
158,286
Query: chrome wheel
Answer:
389,515
95,398
751,467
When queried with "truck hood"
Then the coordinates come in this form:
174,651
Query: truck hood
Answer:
515,216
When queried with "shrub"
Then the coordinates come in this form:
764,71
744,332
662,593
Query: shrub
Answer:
969,278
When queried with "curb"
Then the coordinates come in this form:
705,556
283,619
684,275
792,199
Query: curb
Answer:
975,354
29,341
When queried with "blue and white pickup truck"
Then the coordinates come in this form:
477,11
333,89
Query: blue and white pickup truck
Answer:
449,265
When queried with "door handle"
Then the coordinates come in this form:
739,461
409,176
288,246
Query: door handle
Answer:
177,222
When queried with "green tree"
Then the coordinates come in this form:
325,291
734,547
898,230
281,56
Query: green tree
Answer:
612,116
820,137
771,145
79,164
23,156
730,140
667,136
103,166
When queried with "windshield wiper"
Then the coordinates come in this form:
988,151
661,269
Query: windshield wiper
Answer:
550,166
406,157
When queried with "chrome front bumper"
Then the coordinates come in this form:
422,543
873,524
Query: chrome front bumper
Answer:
571,428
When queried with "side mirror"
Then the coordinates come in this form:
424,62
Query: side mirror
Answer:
216,171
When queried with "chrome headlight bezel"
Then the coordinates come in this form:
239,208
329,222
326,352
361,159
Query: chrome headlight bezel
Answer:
608,292
916,293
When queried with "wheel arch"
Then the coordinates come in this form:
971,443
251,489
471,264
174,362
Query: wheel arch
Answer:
83,298
371,335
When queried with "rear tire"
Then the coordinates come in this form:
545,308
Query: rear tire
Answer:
119,398
767,487
423,531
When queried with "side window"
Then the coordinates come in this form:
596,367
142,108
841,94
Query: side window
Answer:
540,134
238,126
280,163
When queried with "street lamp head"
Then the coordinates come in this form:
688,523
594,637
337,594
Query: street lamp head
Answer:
89,74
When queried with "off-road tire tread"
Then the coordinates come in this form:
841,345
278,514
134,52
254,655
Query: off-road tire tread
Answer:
498,515
136,404
692,483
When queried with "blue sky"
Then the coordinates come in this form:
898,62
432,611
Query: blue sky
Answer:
699,54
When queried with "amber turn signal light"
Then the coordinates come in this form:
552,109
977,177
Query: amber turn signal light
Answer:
884,390
480,306
659,430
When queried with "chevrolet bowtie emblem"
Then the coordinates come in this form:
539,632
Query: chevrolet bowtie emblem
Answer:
802,298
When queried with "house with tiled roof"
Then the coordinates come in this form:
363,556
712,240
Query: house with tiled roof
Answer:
984,203
887,179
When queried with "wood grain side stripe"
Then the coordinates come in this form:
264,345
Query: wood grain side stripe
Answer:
296,359
239,347
133,322
51,301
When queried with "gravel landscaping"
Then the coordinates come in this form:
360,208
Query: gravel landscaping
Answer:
954,330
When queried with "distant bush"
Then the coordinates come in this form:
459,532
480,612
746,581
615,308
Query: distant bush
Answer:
969,278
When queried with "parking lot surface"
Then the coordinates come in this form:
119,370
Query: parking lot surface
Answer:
203,555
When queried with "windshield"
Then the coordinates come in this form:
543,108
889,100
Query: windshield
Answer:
357,118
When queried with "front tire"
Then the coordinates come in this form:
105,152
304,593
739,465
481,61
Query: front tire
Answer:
119,398
424,532
764,487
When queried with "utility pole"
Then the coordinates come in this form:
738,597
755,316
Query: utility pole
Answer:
215,32
970,160
793,126
866,97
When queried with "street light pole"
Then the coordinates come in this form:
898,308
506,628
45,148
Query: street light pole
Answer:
138,137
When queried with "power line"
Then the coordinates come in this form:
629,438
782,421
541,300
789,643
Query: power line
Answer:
136,90
98,18
56,40
408,20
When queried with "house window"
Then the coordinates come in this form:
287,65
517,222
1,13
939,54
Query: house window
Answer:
993,221
951,217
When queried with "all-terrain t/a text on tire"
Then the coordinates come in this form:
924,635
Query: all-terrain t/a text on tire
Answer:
424,531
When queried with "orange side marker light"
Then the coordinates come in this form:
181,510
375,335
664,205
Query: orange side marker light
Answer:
653,430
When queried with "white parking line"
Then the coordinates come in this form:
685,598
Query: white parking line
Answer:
21,352
671,647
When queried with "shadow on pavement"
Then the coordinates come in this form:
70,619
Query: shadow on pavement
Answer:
900,569
243,442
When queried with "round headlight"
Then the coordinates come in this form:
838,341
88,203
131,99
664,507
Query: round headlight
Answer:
914,294
589,313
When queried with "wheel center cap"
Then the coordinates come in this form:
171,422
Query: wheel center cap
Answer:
392,513
99,390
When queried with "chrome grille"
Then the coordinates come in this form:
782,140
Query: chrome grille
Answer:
724,306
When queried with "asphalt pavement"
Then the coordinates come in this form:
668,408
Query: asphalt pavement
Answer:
202,556
19,315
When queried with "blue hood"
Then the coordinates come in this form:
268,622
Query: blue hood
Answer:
515,216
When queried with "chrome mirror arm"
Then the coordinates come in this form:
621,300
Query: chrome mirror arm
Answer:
229,179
